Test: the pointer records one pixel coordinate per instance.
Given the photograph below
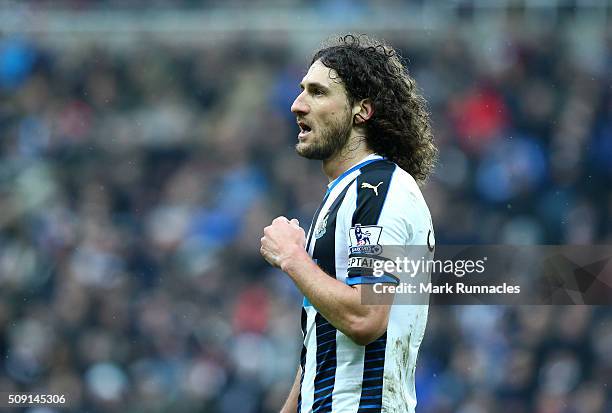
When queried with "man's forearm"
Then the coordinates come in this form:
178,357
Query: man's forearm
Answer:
290,405
338,302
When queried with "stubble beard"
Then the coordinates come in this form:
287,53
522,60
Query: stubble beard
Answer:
330,142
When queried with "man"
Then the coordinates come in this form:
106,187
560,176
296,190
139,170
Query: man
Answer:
360,114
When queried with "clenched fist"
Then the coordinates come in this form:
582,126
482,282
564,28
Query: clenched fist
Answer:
281,240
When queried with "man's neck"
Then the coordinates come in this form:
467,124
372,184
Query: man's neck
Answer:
350,155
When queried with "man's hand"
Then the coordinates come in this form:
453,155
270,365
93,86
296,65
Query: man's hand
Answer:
281,240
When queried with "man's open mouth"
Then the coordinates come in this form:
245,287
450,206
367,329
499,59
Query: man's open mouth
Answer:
304,129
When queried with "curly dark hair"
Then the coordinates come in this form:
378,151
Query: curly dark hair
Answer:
399,128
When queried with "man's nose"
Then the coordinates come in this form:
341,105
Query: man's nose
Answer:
299,106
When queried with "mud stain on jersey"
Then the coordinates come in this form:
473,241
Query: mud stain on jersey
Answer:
396,380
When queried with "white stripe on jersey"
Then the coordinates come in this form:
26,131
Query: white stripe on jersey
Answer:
311,362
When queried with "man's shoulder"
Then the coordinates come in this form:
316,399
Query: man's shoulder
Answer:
383,173
382,166
397,192
374,180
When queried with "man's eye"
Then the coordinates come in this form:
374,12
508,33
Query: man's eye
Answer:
318,92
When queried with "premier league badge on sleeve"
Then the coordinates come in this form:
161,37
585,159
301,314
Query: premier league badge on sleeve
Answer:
364,239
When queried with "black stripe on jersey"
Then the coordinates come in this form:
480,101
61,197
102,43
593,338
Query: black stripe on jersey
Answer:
325,376
373,372
370,201
303,320
325,248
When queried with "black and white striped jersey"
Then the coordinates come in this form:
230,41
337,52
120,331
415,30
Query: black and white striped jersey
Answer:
374,203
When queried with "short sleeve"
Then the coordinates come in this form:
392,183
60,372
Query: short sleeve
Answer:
375,222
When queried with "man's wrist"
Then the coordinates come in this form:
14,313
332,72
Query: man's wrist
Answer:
297,255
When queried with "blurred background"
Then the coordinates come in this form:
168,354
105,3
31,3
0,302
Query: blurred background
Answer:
145,144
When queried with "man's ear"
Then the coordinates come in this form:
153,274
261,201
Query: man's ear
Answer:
362,111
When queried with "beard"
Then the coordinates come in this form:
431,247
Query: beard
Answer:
330,141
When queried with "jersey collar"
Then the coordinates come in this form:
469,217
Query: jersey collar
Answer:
365,161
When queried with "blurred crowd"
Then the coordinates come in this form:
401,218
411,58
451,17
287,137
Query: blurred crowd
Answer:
135,184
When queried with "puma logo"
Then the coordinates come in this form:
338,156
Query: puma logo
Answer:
375,188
